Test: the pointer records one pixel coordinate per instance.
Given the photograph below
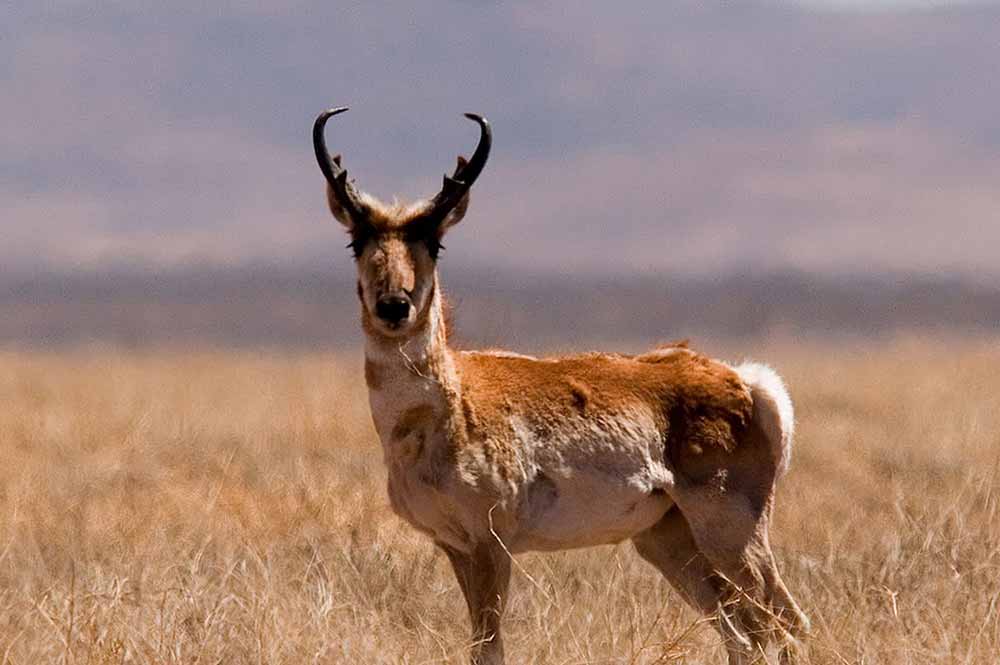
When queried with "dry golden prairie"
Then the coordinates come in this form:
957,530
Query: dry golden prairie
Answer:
229,507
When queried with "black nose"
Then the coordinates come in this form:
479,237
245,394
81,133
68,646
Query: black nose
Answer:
392,309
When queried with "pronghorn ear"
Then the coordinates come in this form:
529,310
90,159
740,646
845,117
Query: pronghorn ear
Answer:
338,210
456,214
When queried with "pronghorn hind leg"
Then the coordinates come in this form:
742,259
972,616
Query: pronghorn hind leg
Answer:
727,499
734,538
670,546
782,608
484,576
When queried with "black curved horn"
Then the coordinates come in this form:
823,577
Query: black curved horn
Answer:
457,185
335,174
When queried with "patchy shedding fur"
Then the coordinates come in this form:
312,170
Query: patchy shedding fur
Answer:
491,452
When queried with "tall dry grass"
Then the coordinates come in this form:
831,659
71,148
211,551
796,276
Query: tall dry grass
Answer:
229,508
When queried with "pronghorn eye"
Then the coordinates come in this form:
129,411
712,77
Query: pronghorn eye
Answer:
424,232
358,242
434,247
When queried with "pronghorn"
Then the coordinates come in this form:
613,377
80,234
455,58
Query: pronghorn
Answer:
493,453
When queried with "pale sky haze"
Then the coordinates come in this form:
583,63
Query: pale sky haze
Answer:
686,137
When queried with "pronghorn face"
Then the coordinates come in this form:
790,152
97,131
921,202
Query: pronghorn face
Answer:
396,247
396,277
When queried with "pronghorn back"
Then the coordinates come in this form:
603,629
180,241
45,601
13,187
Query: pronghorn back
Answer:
673,384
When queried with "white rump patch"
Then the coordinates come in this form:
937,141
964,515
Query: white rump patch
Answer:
772,408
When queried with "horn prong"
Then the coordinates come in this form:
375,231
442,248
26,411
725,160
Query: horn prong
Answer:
456,186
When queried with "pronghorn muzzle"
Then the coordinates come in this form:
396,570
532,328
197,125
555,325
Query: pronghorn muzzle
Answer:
393,310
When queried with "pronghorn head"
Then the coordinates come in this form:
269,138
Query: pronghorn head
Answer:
396,246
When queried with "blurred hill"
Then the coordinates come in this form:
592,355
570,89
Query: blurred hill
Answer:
264,306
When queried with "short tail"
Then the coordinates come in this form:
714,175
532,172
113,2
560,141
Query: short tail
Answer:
772,410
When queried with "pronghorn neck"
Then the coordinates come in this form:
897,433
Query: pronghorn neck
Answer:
410,375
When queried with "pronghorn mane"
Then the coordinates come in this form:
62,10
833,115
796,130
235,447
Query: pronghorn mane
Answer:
448,320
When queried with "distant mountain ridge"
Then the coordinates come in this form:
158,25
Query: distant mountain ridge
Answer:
261,306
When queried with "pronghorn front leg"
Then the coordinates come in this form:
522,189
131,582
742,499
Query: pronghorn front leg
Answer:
483,574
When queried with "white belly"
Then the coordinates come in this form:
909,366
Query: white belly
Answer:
588,487
586,512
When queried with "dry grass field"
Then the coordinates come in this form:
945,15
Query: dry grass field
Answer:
229,508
